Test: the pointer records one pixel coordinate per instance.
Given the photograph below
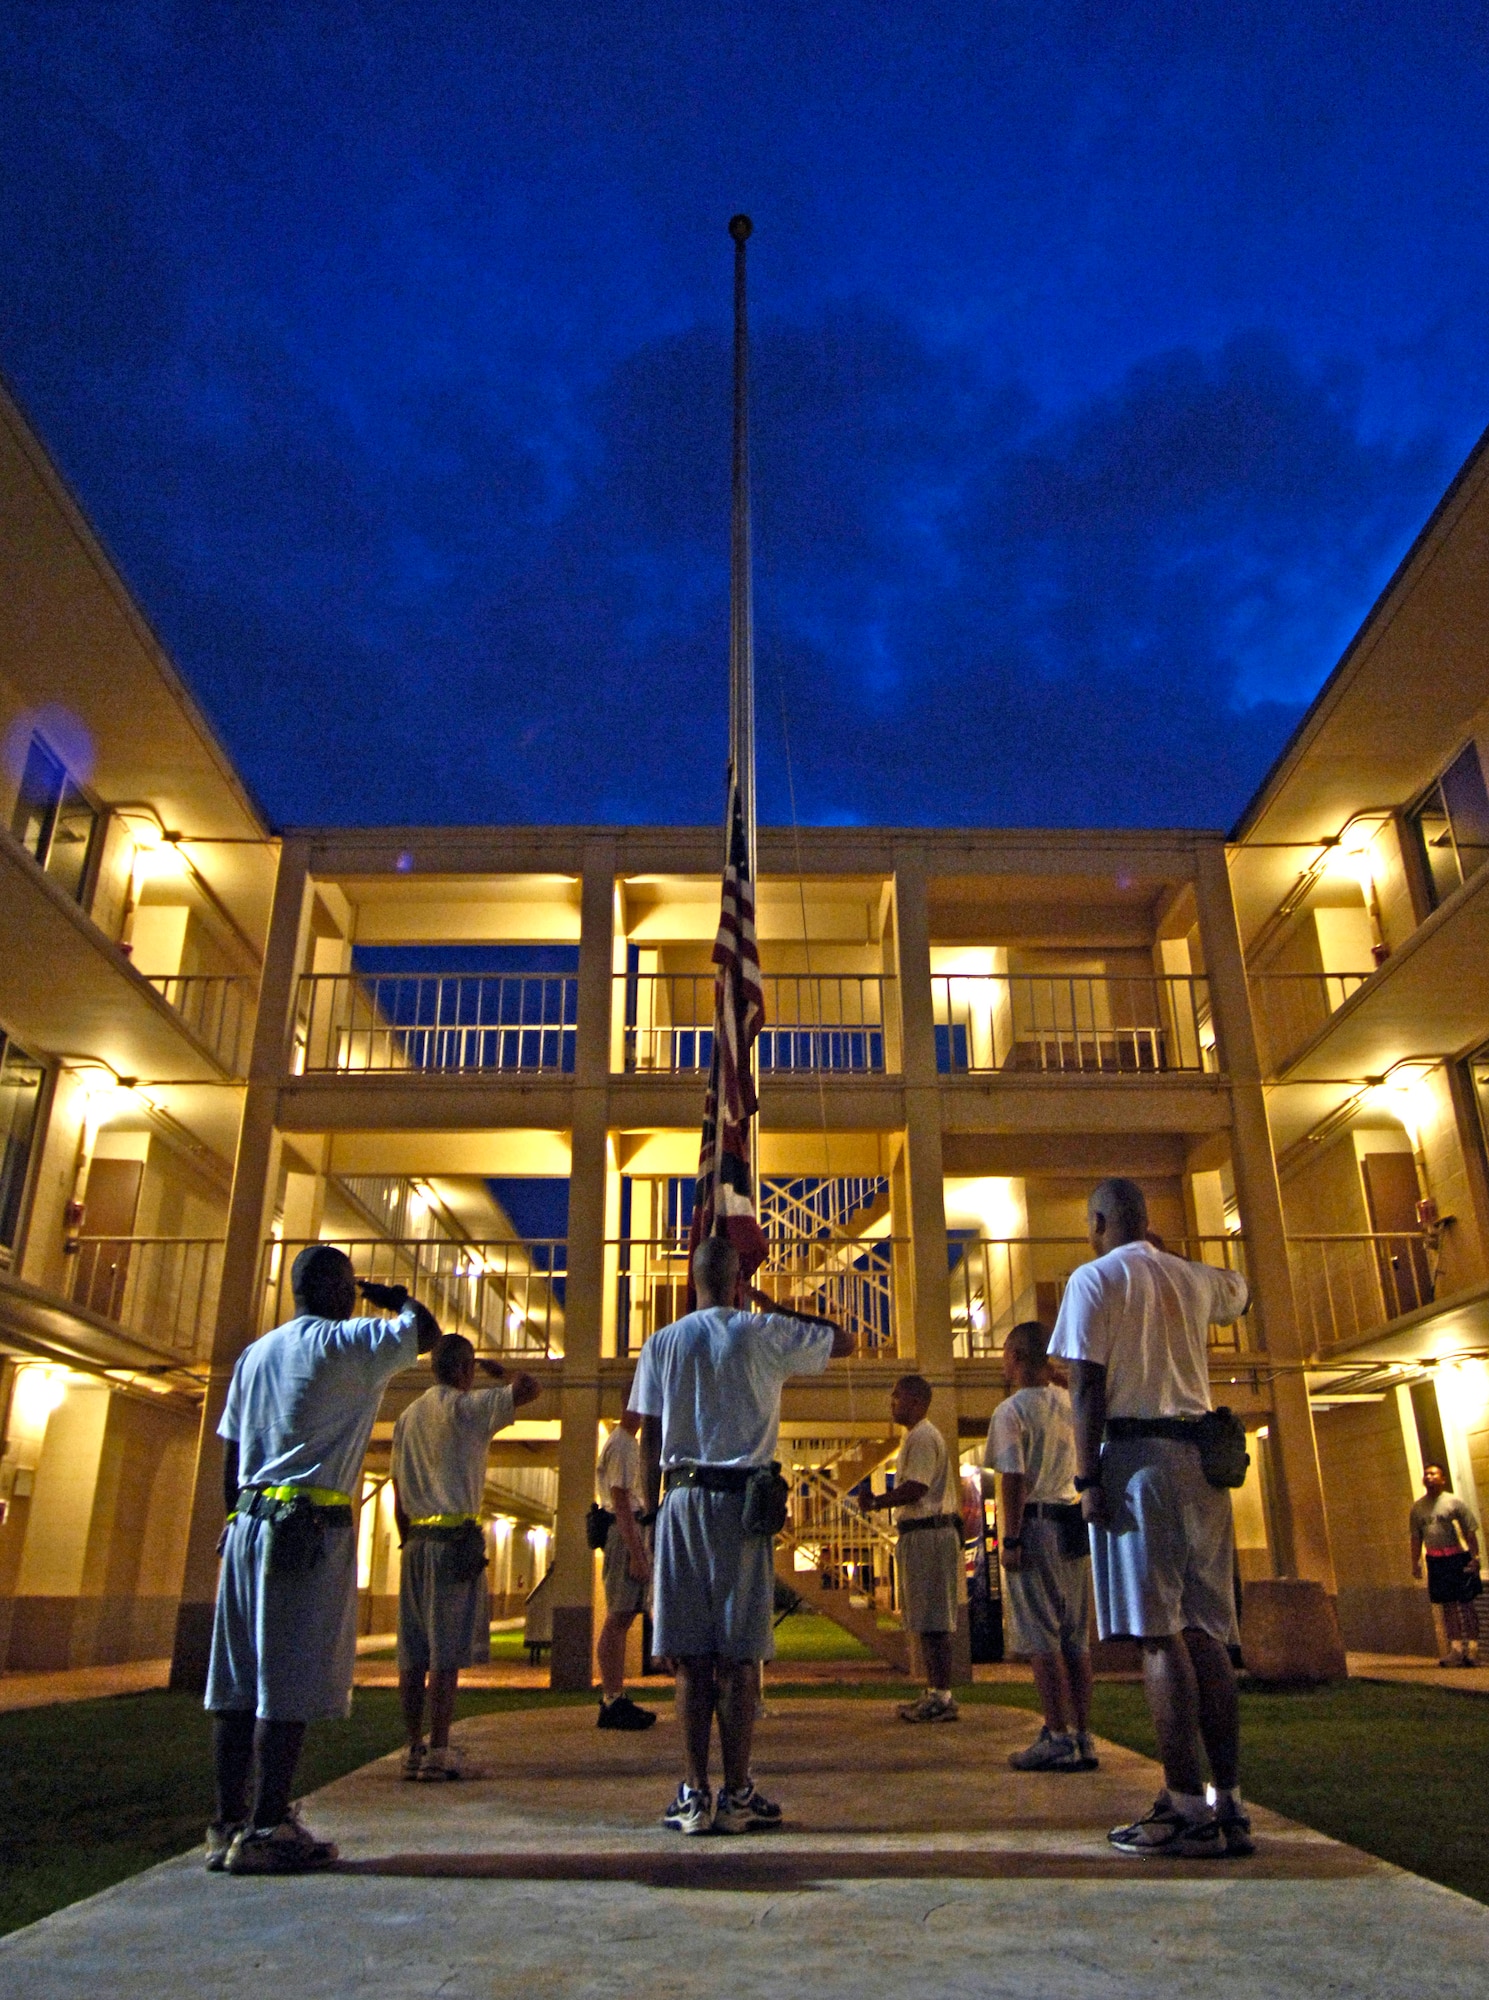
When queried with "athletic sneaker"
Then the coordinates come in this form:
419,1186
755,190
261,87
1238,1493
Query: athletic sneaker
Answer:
623,1713
930,1708
442,1766
1050,1751
1235,1830
287,1849
413,1759
744,1810
1085,1751
220,1836
690,1811
1164,1830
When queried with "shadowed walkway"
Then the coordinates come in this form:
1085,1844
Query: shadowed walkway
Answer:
915,1862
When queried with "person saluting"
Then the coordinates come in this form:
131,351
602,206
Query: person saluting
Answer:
299,1412
708,1391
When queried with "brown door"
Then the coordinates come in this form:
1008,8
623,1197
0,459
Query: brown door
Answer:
1391,1194
113,1198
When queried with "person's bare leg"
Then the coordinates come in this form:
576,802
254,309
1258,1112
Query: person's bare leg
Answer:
610,1650
277,1750
232,1756
738,1686
695,1697
1078,1679
411,1695
444,1682
1054,1691
936,1647
1219,1707
1173,1702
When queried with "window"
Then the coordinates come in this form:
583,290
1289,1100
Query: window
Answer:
21,1079
1452,823
53,819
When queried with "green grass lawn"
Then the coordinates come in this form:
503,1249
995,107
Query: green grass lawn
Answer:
91,1792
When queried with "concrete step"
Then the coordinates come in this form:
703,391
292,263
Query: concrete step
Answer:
892,1647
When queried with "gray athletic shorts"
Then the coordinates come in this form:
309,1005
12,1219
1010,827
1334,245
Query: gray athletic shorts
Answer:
713,1585
929,1561
284,1646
442,1622
622,1592
1047,1599
1167,1561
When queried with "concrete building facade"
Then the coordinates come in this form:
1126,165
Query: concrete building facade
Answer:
475,1057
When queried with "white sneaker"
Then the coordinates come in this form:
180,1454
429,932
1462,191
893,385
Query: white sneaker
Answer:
930,1708
413,1760
442,1766
287,1849
1048,1752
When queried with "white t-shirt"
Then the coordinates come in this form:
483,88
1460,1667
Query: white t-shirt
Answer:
923,1456
620,1465
302,1401
439,1448
1033,1432
1144,1317
714,1378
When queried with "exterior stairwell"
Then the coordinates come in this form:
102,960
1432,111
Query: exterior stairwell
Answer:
822,1524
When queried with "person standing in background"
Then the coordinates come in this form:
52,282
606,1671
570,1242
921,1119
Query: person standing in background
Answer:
1444,1529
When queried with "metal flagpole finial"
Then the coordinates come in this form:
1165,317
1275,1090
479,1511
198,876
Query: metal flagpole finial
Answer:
741,228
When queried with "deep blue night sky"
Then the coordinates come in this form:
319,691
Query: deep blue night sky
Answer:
1107,359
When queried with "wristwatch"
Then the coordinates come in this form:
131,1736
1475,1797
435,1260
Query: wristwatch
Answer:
1084,1485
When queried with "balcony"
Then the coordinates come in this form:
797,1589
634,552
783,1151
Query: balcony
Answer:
161,1289
1072,1024
506,1298
998,1281
216,1008
827,1023
1289,1009
845,1279
1346,1287
448,1024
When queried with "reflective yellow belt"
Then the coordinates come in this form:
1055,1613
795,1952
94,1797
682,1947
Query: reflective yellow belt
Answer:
441,1520
318,1496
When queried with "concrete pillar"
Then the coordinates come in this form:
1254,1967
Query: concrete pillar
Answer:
584,1312
250,1213
1299,1487
925,1172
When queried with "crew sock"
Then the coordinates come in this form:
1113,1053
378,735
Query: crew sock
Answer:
939,1694
1191,1805
1228,1799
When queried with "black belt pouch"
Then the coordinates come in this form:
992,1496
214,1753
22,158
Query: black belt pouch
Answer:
765,1497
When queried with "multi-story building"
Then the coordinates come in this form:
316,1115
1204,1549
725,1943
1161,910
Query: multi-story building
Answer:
476,1058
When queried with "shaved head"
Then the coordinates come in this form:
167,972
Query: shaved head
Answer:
716,1270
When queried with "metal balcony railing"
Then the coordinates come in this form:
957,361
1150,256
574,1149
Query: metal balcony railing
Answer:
506,1298
1043,1023
852,1282
384,1022
853,1549
218,1009
161,1289
826,1022
998,1281
1289,1008
1345,1287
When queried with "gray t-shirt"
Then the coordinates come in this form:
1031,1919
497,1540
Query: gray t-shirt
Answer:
302,1401
715,1378
439,1448
1434,1521
1033,1432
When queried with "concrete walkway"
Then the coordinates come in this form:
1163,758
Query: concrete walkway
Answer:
23,1690
914,1864
1409,1669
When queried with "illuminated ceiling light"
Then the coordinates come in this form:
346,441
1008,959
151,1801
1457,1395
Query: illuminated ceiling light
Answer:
1404,1094
38,1391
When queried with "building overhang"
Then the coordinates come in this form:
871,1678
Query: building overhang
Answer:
39,1325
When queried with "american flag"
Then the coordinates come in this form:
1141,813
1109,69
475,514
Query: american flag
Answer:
724,1202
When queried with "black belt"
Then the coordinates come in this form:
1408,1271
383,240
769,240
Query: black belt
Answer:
929,1521
1180,1430
712,1478
1052,1510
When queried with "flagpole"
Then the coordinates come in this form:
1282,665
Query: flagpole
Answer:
741,594
741,599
